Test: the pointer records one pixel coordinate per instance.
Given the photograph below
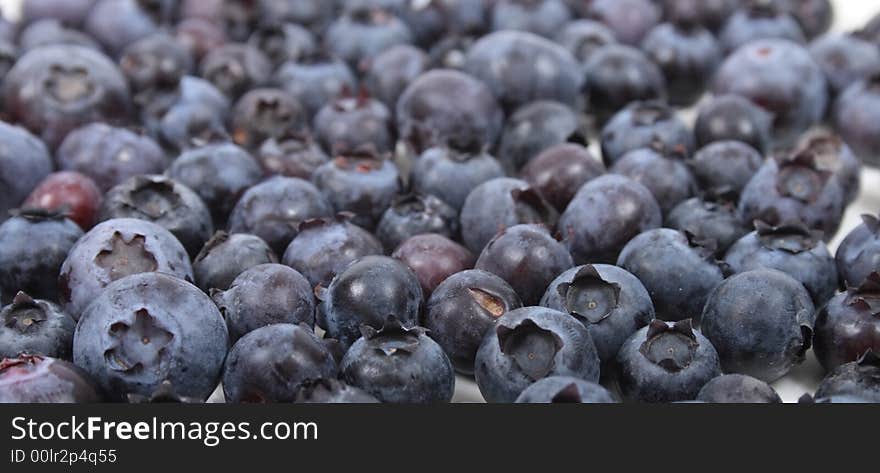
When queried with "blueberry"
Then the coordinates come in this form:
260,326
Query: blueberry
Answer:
781,77
814,16
678,271
560,171
731,117
38,379
433,258
263,114
283,41
331,391
165,393
709,220
860,378
845,59
712,15
666,175
795,188
235,68
155,62
738,389
226,256
612,303
725,167
199,35
534,68
113,250
584,37
792,249
315,80
535,127
834,156
362,32
361,183
148,328
264,295
118,23
849,325
431,19
688,55
604,215
414,214
71,12
219,174
393,70
451,174
498,204
24,163
324,247
190,115
629,19
70,193
445,105
313,14
760,19
351,123
366,293
666,362
33,245
398,364
642,125
859,253
450,52
853,120
35,327
530,344
48,32
527,257
542,17
293,154
760,322
565,389
270,364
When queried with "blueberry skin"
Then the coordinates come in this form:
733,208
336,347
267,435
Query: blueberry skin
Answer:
33,246
315,80
443,106
269,364
780,76
794,189
527,257
709,221
264,295
273,210
845,59
189,115
535,127
393,70
836,157
681,365
155,61
853,118
792,249
814,16
263,114
38,379
351,123
463,308
584,37
115,249
331,391
630,20
860,378
35,327
535,69
762,20
283,42
848,325
643,125
294,154
165,202
622,304
185,337
324,247
414,215
366,293
362,32
859,253
733,118
738,389
677,271
688,56
761,323
364,186
118,23
452,174
543,17
433,258
399,365
565,389
604,215
618,75
529,344
560,171
725,166
24,163
667,177
235,68
219,174
225,256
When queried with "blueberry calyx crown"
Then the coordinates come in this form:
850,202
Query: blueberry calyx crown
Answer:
792,237
869,360
363,159
800,177
138,344
530,207
532,348
866,297
126,256
872,223
588,297
393,337
152,196
568,394
707,248
670,346
165,393
24,313
349,102
825,147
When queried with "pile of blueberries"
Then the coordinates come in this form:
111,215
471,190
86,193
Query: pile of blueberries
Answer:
354,200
